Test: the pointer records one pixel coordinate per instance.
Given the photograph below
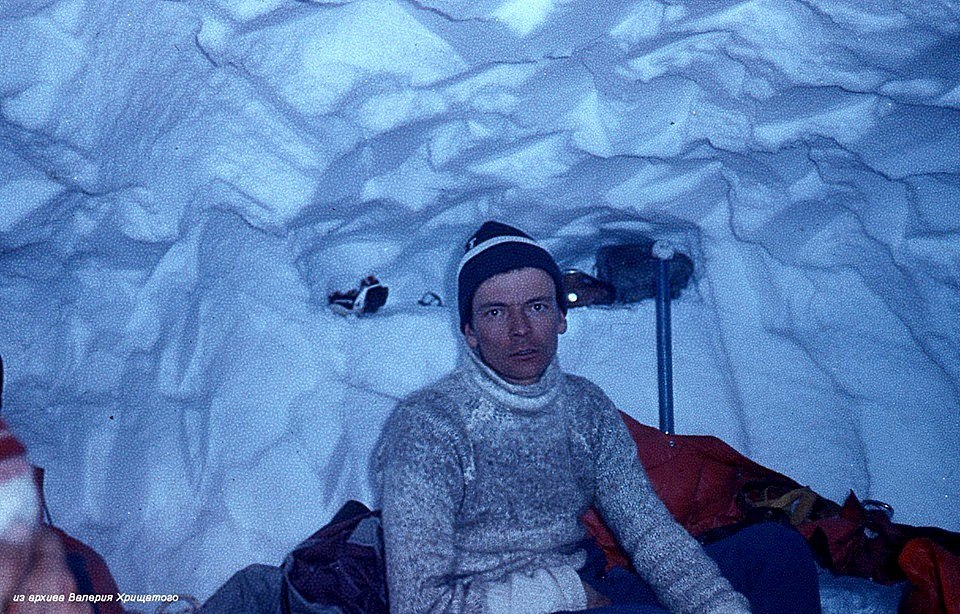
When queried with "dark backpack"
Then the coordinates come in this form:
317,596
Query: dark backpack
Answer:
341,565
632,270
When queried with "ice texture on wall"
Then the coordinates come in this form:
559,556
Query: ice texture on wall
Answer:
183,182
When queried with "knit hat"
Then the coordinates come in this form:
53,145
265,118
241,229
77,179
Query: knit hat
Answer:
497,248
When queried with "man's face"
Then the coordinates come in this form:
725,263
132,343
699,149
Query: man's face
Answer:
515,324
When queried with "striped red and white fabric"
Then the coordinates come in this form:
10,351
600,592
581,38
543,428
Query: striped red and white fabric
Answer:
19,500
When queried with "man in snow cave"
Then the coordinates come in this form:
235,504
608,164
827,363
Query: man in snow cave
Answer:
484,474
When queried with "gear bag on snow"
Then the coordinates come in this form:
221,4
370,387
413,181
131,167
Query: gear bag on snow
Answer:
632,271
340,565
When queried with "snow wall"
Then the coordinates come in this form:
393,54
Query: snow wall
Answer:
183,182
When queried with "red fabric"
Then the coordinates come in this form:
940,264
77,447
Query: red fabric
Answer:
604,537
701,481
9,446
697,477
858,542
935,576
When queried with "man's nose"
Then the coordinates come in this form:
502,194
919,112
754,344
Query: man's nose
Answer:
519,322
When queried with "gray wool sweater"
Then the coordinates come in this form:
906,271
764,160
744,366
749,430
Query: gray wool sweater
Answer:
482,483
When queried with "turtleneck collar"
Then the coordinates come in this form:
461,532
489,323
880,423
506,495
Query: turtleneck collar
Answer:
531,397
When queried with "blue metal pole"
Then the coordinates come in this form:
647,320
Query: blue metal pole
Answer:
664,350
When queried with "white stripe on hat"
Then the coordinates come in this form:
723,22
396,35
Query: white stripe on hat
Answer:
482,247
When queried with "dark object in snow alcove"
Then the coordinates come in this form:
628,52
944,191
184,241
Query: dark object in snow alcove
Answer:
583,290
632,270
369,297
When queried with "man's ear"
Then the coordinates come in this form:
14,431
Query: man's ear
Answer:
471,336
562,327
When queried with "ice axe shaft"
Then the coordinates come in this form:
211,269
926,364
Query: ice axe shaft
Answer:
642,270
664,348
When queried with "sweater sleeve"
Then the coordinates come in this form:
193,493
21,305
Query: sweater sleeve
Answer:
420,477
681,574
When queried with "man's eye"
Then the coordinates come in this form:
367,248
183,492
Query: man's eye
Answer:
539,306
492,313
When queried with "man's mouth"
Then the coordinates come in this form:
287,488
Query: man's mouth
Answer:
523,353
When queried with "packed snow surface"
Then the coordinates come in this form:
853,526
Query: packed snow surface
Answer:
183,182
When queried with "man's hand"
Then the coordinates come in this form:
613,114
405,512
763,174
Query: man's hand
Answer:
595,599
37,567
